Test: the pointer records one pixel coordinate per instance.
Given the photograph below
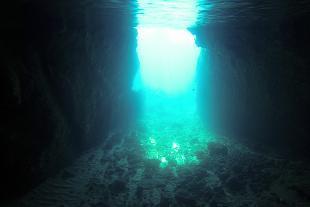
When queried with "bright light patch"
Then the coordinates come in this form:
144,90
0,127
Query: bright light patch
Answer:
168,59
153,141
163,159
175,146
163,162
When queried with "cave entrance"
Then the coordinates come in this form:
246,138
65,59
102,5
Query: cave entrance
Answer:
168,60
170,128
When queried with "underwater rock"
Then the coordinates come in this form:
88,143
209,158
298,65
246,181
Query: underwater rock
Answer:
61,92
185,198
254,82
151,197
156,197
236,184
118,186
67,174
151,167
99,204
168,191
217,149
252,179
165,202
212,180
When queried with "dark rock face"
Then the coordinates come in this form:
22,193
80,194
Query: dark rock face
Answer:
254,83
217,149
66,72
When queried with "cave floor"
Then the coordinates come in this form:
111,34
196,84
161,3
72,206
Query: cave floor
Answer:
229,174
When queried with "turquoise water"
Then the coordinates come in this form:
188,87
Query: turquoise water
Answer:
172,130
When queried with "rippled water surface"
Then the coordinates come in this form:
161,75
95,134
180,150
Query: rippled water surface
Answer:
185,13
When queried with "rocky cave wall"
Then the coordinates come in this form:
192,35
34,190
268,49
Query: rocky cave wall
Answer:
66,72
254,83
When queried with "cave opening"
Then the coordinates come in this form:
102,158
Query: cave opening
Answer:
173,132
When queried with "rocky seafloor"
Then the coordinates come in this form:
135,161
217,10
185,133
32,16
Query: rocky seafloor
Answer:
228,175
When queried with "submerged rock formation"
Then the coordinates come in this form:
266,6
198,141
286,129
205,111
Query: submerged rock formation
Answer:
109,176
66,71
254,83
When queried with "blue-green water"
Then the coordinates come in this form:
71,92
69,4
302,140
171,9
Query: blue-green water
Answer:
173,132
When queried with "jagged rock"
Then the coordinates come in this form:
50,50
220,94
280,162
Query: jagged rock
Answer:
118,186
212,180
184,198
216,149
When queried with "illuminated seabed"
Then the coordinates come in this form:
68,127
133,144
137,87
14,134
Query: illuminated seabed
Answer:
173,137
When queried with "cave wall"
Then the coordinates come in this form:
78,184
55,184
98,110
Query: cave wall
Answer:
254,83
66,73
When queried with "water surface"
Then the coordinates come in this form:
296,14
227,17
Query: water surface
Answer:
180,13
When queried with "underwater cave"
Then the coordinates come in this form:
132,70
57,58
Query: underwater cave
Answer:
176,103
